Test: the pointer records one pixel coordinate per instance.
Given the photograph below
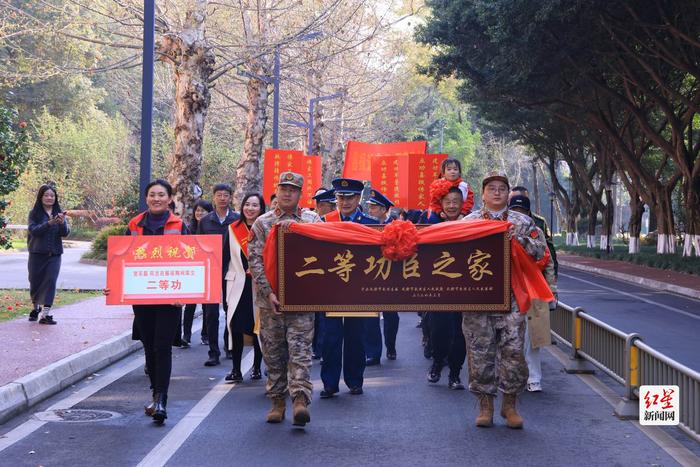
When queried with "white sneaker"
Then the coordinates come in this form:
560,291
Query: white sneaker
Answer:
534,387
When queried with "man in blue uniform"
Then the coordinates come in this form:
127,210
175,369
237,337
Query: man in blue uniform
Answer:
378,206
343,347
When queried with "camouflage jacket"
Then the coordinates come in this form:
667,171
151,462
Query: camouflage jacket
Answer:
526,232
258,236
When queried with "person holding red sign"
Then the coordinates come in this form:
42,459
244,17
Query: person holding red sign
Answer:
444,332
238,285
157,325
343,345
286,338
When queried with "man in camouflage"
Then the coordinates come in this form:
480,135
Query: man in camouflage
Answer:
490,334
285,338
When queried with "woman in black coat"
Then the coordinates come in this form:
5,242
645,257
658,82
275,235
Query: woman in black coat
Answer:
157,325
47,226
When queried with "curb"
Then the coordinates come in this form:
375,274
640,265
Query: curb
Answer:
652,284
29,390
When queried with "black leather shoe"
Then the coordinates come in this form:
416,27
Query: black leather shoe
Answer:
328,393
434,374
234,377
229,355
205,341
47,320
213,361
256,374
356,391
184,344
372,362
160,414
455,383
33,315
391,354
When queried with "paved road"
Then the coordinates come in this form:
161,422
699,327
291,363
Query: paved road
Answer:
74,274
668,322
400,420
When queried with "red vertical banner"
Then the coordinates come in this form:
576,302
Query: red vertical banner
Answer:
276,162
390,177
422,170
311,171
358,156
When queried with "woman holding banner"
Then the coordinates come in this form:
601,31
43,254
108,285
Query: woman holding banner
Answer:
157,325
238,287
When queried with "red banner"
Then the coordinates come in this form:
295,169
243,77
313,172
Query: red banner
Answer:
311,170
422,170
164,269
389,175
276,162
358,162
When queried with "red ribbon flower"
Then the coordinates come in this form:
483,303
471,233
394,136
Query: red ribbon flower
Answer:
399,240
438,190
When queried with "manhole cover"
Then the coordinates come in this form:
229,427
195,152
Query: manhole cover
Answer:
76,415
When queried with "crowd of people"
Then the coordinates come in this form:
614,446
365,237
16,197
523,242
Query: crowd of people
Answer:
501,348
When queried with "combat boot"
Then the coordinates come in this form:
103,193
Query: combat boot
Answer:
276,413
510,413
485,417
301,411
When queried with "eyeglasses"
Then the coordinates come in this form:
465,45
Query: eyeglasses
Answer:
499,189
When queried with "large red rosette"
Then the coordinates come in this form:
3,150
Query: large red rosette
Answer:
399,240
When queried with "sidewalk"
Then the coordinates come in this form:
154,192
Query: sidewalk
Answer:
37,360
660,279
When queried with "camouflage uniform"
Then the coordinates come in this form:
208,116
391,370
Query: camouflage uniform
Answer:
489,334
285,338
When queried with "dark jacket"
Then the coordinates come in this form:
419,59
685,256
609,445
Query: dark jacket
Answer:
44,238
210,223
541,222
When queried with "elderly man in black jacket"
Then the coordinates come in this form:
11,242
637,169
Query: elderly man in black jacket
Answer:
216,223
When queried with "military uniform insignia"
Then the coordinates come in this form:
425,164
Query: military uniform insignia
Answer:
344,183
289,177
534,234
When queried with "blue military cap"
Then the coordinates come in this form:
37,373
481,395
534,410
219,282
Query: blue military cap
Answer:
324,195
375,197
347,186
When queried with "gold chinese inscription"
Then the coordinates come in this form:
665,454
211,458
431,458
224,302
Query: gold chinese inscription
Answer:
344,266
478,265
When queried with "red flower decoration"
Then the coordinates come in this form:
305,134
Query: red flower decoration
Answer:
438,190
399,240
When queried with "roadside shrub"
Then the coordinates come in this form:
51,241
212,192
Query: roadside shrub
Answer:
646,257
98,250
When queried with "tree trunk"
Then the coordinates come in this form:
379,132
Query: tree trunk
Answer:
592,223
333,161
666,242
691,241
192,61
317,149
536,207
635,224
248,175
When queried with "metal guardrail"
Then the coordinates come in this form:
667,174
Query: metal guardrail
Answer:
629,361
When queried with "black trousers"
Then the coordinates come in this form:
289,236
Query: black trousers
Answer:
447,339
237,351
188,319
157,327
391,328
211,312
43,274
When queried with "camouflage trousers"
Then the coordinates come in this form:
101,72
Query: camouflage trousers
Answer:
495,352
285,340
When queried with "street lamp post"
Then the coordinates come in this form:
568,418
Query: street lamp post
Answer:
310,125
146,98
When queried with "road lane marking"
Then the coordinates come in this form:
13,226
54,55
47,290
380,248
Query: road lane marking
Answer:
673,448
176,437
637,297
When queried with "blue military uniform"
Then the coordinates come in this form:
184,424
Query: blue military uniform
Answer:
343,346
373,333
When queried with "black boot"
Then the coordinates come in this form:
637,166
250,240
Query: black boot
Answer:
160,414
150,409
256,373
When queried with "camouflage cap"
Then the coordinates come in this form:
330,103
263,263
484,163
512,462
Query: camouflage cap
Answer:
494,176
291,178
